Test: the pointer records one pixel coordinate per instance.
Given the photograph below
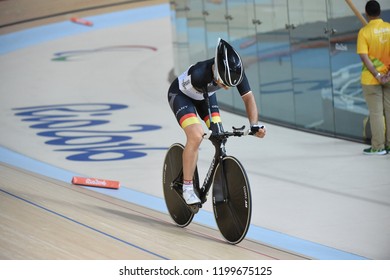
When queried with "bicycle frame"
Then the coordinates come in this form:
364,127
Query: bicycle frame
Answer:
226,177
218,139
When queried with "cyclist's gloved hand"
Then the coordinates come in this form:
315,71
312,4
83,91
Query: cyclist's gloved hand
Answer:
258,130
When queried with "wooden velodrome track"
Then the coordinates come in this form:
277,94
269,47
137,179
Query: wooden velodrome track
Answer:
48,219
43,218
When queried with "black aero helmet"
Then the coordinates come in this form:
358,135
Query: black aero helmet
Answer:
228,65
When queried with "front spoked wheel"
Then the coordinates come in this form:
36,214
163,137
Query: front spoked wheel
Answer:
172,176
232,203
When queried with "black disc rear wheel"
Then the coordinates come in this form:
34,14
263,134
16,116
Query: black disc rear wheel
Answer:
172,186
232,203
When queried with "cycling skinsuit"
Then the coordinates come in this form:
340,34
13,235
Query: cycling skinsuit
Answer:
186,98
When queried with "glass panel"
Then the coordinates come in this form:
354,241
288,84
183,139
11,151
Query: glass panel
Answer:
310,61
216,27
216,24
180,40
240,15
241,35
349,105
300,56
196,31
274,62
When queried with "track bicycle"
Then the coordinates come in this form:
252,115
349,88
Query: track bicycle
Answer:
231,196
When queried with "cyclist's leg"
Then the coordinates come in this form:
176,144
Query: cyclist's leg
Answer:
194,132
194,135
184,109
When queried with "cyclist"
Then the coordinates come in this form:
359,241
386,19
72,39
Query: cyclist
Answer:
186,97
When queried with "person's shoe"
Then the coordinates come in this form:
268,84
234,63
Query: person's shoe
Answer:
190,196
387,149
371,151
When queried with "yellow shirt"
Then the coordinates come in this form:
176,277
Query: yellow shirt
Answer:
374,40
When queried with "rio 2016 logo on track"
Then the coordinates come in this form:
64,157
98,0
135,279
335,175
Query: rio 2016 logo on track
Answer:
73,126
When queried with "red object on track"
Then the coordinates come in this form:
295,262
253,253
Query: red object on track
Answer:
95,182
81,21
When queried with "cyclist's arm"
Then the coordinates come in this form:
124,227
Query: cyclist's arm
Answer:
252,112
251,108
249,100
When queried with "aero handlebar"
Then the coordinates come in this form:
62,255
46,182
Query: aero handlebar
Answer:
236,132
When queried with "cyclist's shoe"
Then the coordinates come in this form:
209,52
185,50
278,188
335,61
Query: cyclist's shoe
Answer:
190,196
371,151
